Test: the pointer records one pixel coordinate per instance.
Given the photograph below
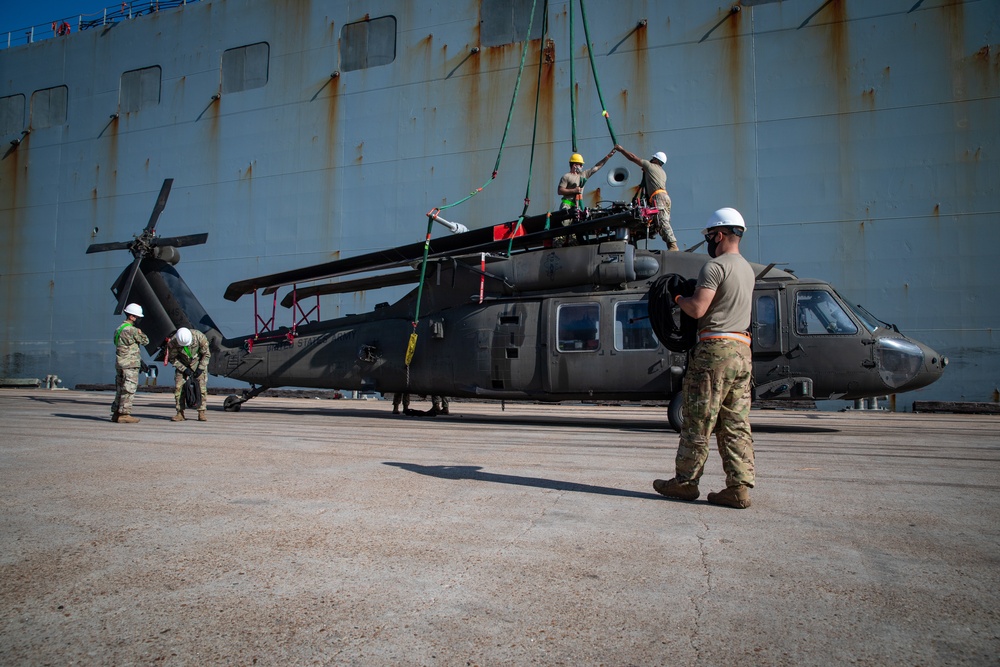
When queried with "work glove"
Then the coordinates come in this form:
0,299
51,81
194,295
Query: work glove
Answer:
198,372
143,367
187,373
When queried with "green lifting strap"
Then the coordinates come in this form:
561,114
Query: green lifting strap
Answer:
593,67
412,342
572,79
534,130
510,114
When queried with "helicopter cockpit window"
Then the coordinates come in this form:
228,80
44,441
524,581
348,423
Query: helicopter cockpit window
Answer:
578,329
633,330
818,313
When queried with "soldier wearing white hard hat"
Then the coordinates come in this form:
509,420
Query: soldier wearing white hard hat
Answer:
128,360
654,187
189,352
716,387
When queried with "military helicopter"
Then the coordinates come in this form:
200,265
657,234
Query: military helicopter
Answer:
505,313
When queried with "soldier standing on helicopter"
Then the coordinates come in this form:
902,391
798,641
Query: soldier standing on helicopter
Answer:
654,186
128,360
571,190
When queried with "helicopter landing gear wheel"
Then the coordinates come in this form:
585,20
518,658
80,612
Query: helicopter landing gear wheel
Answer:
675,412
233,403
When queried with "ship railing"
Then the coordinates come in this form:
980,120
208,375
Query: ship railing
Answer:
110,15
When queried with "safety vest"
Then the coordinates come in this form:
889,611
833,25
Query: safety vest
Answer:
119,331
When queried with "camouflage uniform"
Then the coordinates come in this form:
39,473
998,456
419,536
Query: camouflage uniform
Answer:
571,180
716,385
195,357
717,396
396,398
654,184
128,359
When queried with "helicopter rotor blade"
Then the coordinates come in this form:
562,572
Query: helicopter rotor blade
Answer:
104,247
180,241
127,286
473,241
161,202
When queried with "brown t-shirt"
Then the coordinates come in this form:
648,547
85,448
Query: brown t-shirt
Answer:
732,278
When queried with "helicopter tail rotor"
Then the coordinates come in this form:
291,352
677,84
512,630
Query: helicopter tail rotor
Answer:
145,244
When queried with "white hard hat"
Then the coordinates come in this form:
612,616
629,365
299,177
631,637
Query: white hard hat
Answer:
134,309
661,156
725,217
184,336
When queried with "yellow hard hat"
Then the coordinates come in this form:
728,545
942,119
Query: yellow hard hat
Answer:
576,158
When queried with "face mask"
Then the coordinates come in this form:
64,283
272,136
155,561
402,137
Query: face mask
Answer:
713,247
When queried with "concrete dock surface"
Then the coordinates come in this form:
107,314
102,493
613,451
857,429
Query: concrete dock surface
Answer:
330,532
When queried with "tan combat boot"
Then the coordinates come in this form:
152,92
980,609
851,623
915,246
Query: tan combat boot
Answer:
733,496
179,417
114,416
671,488
127,419
201,416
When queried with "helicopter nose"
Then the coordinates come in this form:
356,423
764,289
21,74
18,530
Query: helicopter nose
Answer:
905,365
932,368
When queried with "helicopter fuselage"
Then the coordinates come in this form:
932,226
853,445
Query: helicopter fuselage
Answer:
567,324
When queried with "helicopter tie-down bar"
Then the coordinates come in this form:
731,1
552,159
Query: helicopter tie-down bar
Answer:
300,316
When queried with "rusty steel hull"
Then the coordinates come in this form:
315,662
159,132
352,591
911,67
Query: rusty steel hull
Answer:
859,140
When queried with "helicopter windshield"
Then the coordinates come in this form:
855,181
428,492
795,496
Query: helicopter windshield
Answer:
863,315
818,312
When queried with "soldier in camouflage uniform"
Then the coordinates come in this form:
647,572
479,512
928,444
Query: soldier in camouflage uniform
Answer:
716,386
654,186
128,360
188,350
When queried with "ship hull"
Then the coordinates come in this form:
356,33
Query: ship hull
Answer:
859,142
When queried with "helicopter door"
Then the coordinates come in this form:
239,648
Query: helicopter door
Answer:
576,351
770,338
823,340
771,367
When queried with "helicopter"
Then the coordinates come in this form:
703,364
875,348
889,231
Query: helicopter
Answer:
509,313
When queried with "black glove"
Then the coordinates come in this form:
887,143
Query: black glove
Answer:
143,367
187,373
198,372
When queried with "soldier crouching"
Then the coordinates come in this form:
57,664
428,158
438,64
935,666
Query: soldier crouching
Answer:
188,351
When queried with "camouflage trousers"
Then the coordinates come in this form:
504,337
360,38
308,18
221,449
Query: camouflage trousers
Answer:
662,223
126,383
717,397
179,389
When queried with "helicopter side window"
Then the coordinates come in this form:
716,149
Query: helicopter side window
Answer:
766,334
577,327
633,330
818,313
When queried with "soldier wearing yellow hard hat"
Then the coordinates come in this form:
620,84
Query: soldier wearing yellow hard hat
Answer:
571,186
572,182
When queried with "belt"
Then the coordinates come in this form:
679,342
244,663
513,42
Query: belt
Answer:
740,336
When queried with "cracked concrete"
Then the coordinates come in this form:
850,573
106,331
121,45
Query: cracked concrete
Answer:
302,531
